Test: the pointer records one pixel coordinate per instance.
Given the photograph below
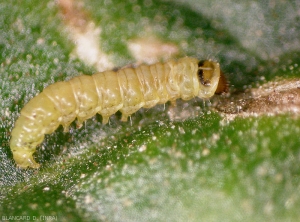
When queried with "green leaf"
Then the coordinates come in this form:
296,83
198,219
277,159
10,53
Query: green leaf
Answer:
233,158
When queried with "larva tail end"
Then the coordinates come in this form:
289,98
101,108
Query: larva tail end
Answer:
24,159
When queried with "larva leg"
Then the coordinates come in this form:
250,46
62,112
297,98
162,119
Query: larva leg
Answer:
124,117
105,119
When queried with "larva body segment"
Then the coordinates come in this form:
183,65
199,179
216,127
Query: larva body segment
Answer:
86,99
126,90
109,94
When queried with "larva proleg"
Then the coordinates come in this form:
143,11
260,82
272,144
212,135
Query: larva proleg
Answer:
125,90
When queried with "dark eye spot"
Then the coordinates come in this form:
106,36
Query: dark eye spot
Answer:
201,63
205,82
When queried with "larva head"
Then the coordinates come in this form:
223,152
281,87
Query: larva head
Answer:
208,75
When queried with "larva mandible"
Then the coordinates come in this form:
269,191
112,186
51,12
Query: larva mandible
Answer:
126,90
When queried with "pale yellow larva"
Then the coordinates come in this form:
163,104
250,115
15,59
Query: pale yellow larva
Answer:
125,90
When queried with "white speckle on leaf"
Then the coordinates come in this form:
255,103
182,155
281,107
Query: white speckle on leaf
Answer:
82,175
150,49
181,130
7,112
46,189
88,47
88,199
142,148
85,34
205,152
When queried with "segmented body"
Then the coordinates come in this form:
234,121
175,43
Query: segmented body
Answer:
125,90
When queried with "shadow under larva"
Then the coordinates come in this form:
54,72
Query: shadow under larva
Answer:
125,90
